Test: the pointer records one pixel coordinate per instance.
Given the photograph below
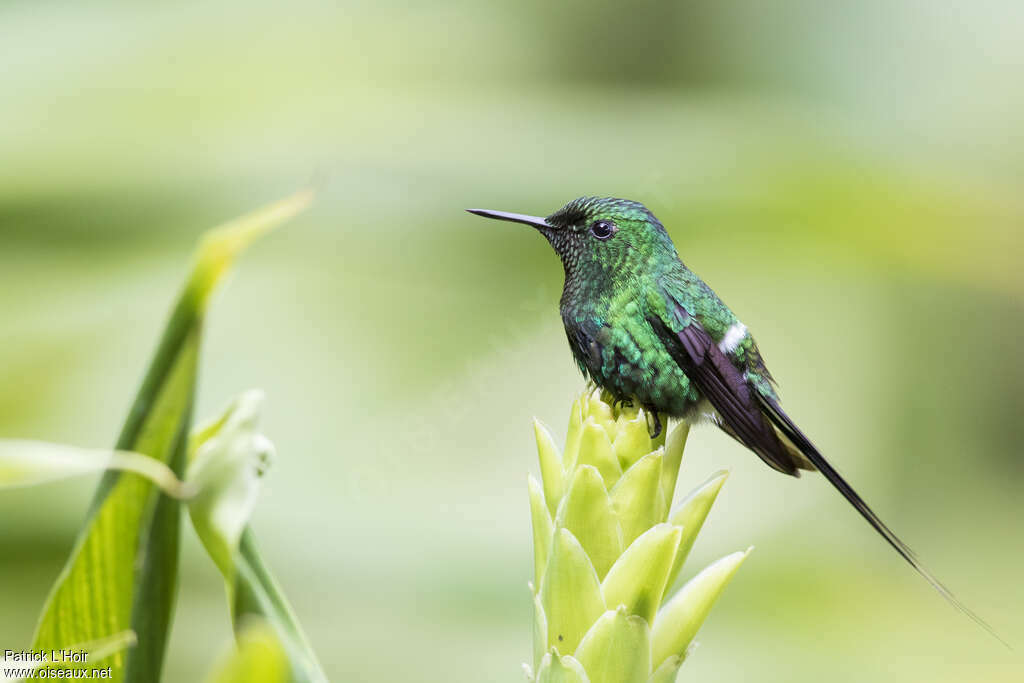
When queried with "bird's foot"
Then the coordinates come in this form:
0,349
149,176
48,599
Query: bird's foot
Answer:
621,403
653,422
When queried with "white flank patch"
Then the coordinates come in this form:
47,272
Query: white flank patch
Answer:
733,336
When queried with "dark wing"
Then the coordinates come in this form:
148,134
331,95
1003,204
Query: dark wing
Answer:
793,435
726,389
759,423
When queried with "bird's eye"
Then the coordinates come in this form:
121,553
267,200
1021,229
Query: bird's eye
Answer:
602,230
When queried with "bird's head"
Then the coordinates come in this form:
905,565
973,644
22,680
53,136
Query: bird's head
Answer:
599,235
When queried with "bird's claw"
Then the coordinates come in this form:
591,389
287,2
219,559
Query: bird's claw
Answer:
653,422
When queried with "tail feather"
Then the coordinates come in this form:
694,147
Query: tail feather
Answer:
801,443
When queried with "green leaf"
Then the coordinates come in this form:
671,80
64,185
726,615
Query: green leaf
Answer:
569,592
220,246
543,529
675,442
638,579
637,498
690,514
258,657
95,594
617,649
561,669
587,512
122,572
550,466
678,622
596,450
257,594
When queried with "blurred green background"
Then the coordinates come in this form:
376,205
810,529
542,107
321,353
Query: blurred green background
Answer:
846,175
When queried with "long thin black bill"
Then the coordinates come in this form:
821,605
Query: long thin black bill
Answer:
535,221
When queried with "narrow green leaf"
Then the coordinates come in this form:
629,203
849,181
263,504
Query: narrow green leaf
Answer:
216,252
638,579
637,499
587,512
551,472
675,442
30,463
220,246
122,572
616,649
257,594
569,592
678,622
542,530
690,514
561,669
156,579
596,450
257,657
667,672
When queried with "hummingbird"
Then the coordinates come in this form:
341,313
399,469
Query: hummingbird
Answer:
646,329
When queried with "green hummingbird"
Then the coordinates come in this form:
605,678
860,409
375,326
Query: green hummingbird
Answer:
647,329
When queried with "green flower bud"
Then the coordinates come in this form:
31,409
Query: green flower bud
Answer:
608,550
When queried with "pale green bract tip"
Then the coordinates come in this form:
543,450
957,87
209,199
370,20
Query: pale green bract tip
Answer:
555,668
678,621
